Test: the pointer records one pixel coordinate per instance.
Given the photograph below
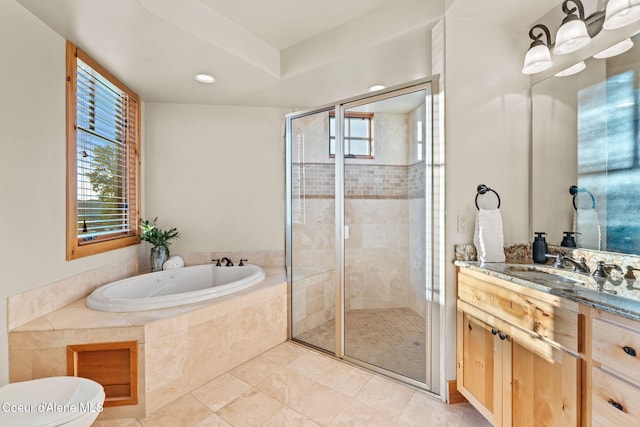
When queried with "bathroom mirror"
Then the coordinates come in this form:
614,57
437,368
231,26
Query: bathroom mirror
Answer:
585,134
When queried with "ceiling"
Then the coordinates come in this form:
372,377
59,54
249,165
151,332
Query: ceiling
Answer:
277,53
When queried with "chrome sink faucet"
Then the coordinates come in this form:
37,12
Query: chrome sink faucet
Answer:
578,267
629,274
604,270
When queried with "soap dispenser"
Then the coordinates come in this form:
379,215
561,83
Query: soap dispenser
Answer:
568,241
540,248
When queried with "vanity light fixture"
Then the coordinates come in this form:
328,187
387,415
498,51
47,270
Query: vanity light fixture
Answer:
538,57
616,49
620,13
574,69
572,34
205,78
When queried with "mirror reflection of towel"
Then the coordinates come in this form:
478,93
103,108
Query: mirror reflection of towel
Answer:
586,224
489,236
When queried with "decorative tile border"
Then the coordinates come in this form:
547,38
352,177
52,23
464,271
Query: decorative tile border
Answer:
317,180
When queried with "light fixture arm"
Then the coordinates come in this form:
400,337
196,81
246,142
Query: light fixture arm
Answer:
536,38
570,11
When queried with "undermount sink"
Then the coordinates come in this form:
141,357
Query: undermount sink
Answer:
547,276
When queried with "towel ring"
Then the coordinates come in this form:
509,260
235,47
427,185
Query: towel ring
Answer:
482,189
574,190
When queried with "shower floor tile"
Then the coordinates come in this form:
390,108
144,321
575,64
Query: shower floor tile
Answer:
391,338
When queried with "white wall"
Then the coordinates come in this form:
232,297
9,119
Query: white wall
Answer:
487,137
217,174
32,163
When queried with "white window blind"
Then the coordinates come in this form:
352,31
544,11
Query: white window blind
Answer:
102,156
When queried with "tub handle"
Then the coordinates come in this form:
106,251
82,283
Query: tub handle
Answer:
242,262
217,261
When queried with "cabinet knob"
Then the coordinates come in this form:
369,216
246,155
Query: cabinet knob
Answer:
494,331
630,351
502,336
616,405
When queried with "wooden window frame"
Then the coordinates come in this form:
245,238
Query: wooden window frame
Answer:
370,139
78,248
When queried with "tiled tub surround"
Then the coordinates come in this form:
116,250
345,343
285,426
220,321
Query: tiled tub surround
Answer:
35,303
180,348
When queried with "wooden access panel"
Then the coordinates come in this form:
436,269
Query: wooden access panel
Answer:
114,365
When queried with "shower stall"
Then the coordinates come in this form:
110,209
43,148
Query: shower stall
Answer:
365,214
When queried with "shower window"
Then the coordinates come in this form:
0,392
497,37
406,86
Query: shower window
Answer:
358,135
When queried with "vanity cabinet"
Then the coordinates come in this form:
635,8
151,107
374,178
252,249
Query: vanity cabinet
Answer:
518,353
615,370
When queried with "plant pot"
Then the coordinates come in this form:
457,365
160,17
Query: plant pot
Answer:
159,254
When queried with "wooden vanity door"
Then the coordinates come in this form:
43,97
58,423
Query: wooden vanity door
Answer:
544,383
479,352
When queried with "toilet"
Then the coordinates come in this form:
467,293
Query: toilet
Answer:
53,401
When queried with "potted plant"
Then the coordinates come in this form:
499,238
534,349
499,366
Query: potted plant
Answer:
159,239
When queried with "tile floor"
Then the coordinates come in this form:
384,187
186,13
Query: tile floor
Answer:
391,338
291,385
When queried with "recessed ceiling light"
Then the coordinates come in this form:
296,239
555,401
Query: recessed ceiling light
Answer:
205,78
375,88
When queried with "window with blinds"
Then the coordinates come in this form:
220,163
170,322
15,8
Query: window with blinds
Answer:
102,161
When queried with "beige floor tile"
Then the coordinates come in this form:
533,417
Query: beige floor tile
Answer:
423,410
256,370
213,421
473,418
285,354
289,418
357,414
320,403
346,379
184,412
251,409
313,365
392,338
221,391
385,395
123,422
284,386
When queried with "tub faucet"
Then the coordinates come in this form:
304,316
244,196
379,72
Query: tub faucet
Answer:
229,263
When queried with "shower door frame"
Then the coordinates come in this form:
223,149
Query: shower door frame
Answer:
433,283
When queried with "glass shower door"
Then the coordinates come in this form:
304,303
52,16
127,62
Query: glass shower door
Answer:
385,247
311,224
364,214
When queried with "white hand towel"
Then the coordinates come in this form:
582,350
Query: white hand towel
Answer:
173,262
586,224
489,236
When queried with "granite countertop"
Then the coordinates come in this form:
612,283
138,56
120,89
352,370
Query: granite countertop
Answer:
614,294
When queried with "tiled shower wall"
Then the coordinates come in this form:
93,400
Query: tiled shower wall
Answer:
384,209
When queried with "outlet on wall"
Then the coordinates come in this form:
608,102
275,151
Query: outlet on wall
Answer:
463,223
